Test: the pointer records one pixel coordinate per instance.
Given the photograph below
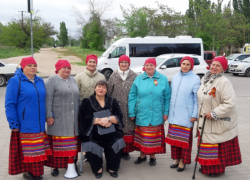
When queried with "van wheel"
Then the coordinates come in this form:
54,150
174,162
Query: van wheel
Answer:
235,74
247,72
107,73
2,81
227,70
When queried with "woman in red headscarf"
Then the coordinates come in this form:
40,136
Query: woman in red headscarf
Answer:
62,104
217,102
119,85
25,112
148,106
183,112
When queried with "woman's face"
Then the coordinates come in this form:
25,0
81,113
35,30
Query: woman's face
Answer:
64,72
30,70
124,65
150,69
91,65
100,90
185,66
216,68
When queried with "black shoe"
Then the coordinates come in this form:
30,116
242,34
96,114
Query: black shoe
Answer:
112,174
38,177
174,165
98,175
215,175
181,169
28,176
152,162
126,156
140,160
54,172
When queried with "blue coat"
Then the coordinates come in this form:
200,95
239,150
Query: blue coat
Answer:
148,101
184,102
25,103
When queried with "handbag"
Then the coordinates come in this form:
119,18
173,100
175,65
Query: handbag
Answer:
103,130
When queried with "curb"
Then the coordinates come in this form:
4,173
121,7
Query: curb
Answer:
44,77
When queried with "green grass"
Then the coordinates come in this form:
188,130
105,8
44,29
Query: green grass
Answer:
7,52
78,52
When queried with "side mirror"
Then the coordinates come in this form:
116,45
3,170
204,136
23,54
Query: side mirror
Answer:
237,59
109,56
163,67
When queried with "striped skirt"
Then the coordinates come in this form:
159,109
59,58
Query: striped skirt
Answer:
228,155
16,158
35,147
180,138
150,140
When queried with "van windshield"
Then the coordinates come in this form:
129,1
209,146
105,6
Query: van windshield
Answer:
159,60
108,51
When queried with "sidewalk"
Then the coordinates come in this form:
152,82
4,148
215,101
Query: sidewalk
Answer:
143,171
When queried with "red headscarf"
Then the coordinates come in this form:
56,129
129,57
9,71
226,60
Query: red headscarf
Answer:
223,61
26,61
149,60
60,64
91,56
191,60
124,58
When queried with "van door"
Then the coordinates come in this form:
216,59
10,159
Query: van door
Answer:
115,55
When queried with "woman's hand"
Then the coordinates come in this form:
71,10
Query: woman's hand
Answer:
165,117
104,121
97,121
193,119
108,125
132,118
50,121
208,115
14,130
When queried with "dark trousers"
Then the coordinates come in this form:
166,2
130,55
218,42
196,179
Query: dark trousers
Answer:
112,159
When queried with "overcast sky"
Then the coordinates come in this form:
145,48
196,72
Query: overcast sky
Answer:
55,11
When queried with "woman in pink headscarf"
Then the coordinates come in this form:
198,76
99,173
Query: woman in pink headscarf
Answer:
217,102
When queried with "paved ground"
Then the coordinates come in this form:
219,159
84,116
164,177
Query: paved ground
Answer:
161,171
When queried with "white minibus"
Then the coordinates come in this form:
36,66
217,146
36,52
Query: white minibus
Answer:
139,49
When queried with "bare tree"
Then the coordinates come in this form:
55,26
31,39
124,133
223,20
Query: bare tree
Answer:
99,7
79,17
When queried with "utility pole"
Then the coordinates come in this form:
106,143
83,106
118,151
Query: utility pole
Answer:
30,10
22,18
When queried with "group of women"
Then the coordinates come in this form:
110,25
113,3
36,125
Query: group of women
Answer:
136,108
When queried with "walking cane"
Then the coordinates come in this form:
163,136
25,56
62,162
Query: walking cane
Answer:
198,151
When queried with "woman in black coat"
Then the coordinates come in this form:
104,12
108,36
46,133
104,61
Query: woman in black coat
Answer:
94,143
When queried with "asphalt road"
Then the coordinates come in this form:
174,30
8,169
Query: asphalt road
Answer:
161,171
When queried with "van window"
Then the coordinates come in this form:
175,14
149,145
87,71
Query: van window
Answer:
153,50
1,65
118,52
187,48
196,61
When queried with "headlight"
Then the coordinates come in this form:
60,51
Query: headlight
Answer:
240,66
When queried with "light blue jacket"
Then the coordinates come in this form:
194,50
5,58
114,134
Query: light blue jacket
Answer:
184,101
148,101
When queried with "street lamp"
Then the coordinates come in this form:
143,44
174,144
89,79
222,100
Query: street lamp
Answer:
30,10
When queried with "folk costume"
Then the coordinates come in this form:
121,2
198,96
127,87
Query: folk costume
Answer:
183,107
25,110
220,145
119,86
148,101
62,104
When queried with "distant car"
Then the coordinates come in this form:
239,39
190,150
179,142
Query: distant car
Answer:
242,67
209,56
6,72
235,58
169,65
